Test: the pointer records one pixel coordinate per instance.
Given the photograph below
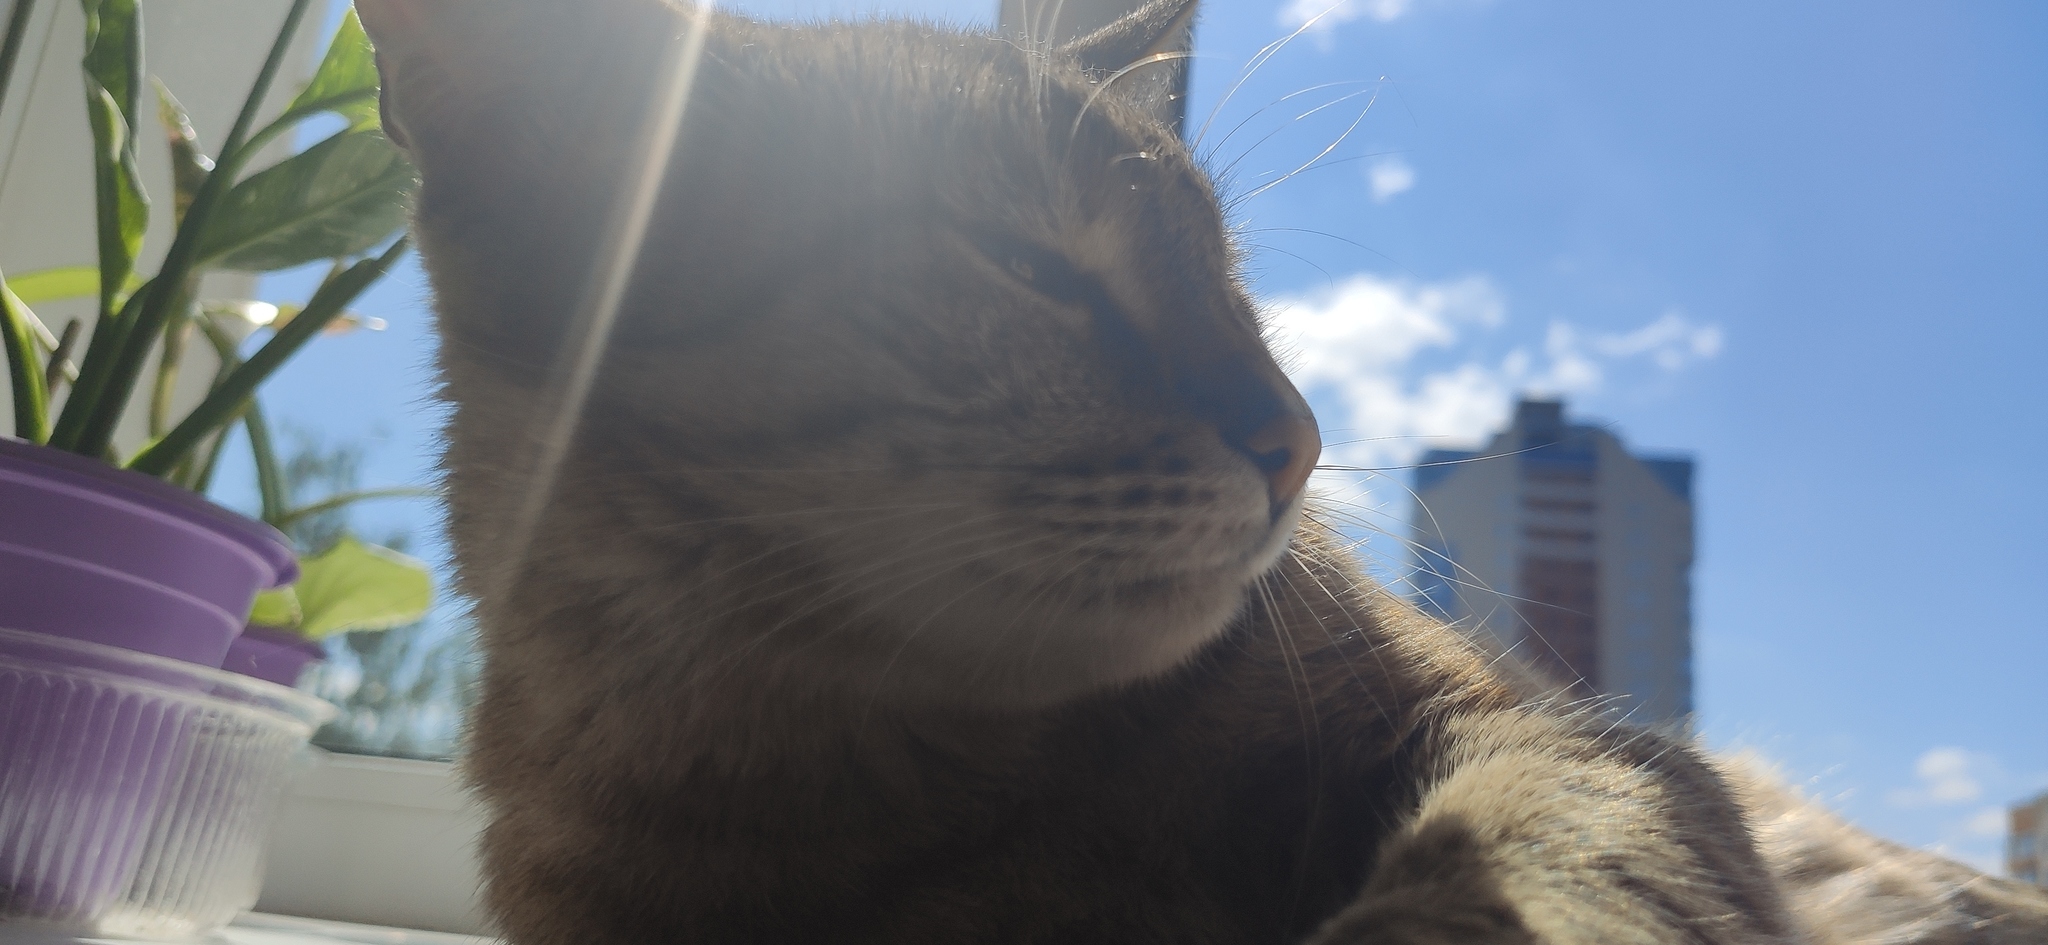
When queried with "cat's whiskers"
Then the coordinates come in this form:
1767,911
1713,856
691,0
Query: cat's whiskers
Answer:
1463,577
1258,60
1074,131
847,589
561,549
911,637
1312,738
1269,106
1048,32
1228,170
934,572
1296,229
1073,591
1328,279
712,579
717,673
1311,162
838,579
1363,547
1308,567
906,508
1297,674
904,548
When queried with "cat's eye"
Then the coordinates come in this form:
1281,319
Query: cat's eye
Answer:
1044,270
1052,276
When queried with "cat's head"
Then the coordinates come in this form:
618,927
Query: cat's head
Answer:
925,322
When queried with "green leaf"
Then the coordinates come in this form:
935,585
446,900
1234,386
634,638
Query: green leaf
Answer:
25,371
62,282
345,83
120,345
337,198
354,586
277,607
189,164
122,207
113,50
113,71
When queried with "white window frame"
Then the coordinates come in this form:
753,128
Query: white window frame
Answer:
379,841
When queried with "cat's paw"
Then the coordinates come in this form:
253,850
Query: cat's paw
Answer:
1424,918
1435,886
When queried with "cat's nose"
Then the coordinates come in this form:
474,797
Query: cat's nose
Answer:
1285,448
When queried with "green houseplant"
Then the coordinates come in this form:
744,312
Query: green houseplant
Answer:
342,199
115,575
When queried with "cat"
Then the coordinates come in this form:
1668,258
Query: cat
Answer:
927,561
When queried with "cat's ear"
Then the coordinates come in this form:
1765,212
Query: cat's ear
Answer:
1143,55
502,81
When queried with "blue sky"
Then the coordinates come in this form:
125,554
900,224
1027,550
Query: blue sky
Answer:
1807,243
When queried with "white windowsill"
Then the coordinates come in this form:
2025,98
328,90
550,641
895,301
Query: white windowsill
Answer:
259,929
381,841
365,851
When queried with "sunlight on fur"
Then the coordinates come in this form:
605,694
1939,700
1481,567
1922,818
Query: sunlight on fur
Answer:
903,537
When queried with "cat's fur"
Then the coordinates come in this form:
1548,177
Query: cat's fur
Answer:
924,567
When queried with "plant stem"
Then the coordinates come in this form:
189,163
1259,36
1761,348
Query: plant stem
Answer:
136,335
333,502
269,479
220,406
224,346
10,48
166,386
93,369
257,92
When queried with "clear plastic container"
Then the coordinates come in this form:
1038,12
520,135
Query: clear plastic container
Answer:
135,791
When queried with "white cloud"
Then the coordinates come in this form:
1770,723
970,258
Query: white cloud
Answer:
1389,177
1577,360
1988,822
1945,775
1975,840
1393,369
1670,341
1395,366
1958,797
1326,14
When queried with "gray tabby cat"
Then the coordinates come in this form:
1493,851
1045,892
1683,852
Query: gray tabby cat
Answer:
928,564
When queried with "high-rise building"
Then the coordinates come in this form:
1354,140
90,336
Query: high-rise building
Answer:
1571,551
2026,846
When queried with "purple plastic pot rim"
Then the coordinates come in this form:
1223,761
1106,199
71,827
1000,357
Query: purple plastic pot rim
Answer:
89,478
281,636
258,695
241,541
101,570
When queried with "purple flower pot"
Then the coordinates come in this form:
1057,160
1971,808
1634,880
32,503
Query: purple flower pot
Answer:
90,552
272,655
101,555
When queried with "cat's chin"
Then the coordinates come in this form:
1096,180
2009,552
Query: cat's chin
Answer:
1106,636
